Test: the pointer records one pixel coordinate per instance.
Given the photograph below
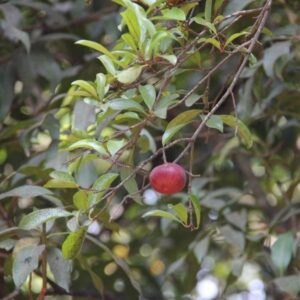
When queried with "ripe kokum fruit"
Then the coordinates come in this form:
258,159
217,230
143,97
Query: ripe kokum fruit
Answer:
168,178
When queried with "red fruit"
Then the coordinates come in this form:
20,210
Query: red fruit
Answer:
168,178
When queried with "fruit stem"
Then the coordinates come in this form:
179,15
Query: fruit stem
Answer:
190,184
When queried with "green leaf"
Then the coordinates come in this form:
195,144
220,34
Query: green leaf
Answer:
113,146
108,64
129,40
130,75
177,123
201,249
289,284
272,53
96,46
100,85
80,200
215,122
199,20
61,180
234,37
130,18
73,243
172,59
242,130
208,10
17,34
34,219
60,268
131,185
197,209
125,104
86,86
192,99
234,237
90,144
282,251
172,14
26,260
181,212
162,106
153,46
211,41
26,191
128,116
101,184
162,214
149,94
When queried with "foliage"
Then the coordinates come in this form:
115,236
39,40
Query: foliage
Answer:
211,85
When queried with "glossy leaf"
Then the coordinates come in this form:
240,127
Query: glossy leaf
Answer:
173,14
86,86
125,104
90,144
215,122
34,219
149,94
80,200
181,212
100,85
130,185
100,186
61,180
234,37
161,214
178,123
96,46
130,75
113,146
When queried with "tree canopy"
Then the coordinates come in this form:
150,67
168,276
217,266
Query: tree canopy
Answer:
95,94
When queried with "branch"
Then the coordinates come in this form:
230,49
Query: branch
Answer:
261,22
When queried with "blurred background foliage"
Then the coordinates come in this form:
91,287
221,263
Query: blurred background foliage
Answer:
248,242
